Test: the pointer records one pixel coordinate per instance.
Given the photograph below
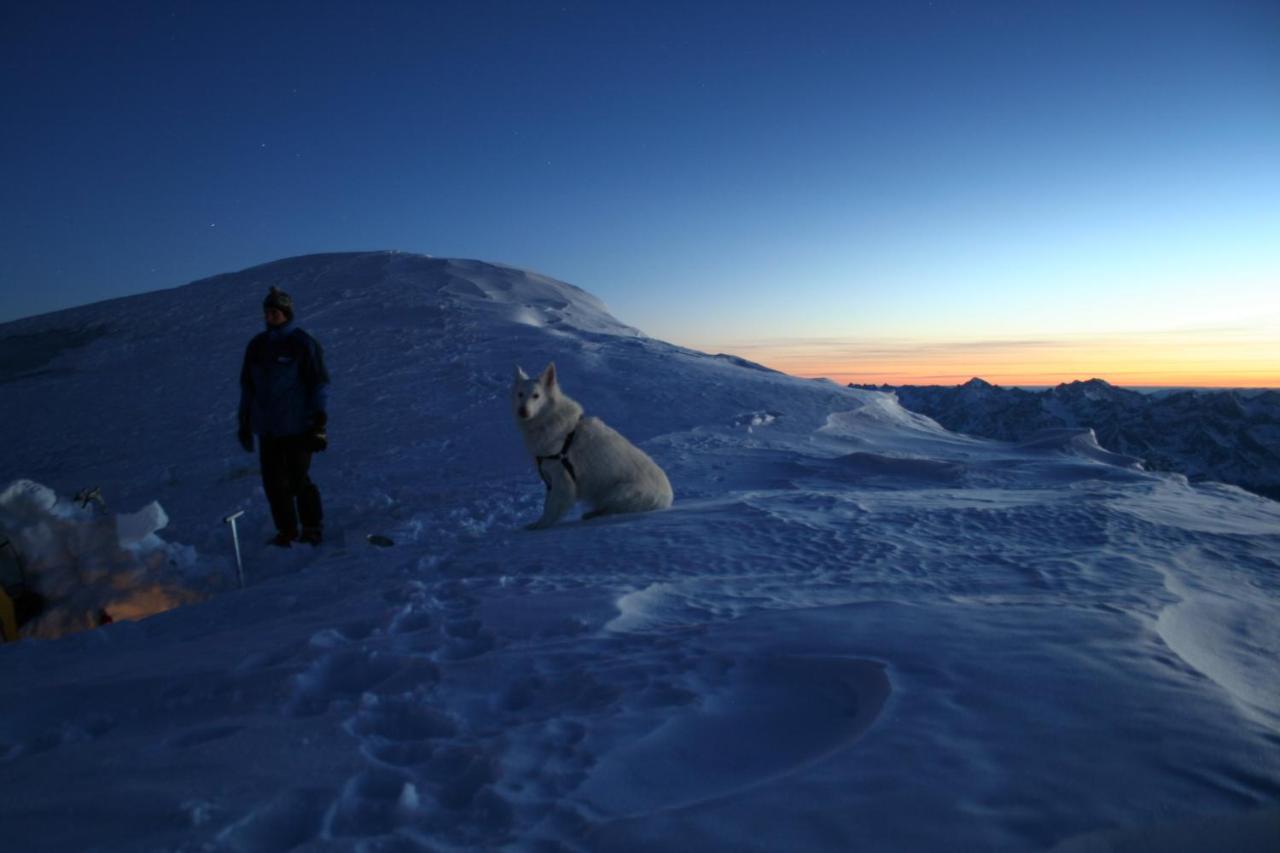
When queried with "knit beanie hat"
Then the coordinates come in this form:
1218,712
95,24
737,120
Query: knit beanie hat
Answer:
277,298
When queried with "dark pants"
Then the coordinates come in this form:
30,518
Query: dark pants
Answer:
285,462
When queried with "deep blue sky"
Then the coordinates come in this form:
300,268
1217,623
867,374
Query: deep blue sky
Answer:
719,173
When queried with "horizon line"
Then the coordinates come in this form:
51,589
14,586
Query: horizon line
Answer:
959,379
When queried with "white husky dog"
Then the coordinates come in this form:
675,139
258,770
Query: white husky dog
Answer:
582,458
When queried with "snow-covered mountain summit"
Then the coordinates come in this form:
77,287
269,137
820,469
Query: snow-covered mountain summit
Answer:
138,395
850,618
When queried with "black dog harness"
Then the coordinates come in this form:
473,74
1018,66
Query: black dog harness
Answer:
562,457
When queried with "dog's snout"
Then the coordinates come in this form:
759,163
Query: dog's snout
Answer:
524,413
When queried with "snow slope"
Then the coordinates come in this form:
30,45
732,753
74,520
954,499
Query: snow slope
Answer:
854,629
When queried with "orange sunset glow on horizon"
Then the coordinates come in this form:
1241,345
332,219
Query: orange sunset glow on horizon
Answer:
1192,360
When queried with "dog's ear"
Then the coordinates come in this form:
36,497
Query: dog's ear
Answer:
520,375
548,377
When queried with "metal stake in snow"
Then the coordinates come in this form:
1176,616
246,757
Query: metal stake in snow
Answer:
235,540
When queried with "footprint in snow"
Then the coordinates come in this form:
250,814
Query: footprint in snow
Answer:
408,717
343,674
290,819
777,716
409,619
374,802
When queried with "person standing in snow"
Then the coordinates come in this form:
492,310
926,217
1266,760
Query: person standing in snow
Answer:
283,400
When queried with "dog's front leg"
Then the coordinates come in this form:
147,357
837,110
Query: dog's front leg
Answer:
561,497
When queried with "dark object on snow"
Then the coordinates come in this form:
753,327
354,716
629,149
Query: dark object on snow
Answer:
278,299
235,543
90,495
312,536
283,382
19,603
283,540
379,540
317,438
562,457
283,396
8,618
286,463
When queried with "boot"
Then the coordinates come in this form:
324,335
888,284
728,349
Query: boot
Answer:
312,536
283,539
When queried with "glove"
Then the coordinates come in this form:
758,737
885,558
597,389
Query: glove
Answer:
246,439
316,439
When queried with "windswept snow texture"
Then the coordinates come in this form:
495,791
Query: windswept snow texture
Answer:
854,630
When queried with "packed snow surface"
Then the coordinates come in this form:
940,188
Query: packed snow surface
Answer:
854,630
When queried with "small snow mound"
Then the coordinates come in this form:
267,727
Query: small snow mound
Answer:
137,529
25,498
1079,442
755,419
525,315
636,608
878,413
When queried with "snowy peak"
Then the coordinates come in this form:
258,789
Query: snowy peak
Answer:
415,287
1095,390
388,288
1225,436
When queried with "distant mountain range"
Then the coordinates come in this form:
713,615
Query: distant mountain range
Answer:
1227,436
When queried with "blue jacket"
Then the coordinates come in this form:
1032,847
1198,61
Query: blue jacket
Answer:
283,383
